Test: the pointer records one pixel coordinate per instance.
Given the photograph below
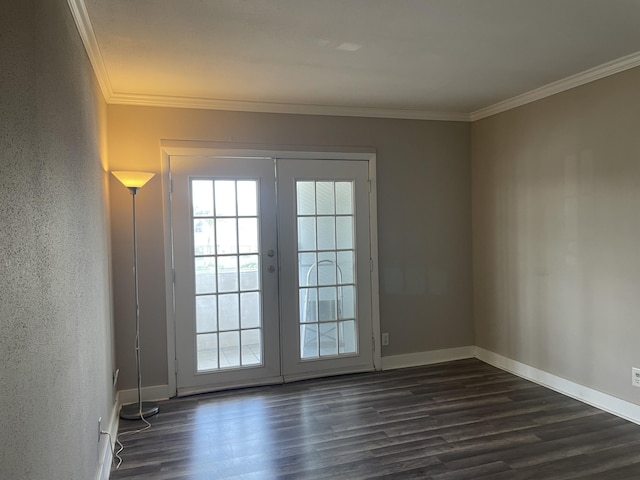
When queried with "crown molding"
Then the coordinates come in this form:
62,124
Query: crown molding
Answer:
290,108
83,24
88,36
582,78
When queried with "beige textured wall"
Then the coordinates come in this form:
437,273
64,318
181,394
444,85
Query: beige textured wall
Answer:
556,233
55,319
423,214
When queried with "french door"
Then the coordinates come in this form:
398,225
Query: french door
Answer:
272,270
325,278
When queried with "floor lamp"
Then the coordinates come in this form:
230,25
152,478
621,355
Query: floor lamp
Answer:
140,410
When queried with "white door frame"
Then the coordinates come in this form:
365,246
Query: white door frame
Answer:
192,148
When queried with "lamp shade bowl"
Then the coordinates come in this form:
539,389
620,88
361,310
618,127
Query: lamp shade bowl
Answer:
133,179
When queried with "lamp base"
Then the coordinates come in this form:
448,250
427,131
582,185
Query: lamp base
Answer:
133,411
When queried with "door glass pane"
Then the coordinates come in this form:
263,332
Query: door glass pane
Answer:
228,274
228,306
247,198
226,239
249,272
347,336
250,310
325,200
344,198
251,344
306,233
225,194
202,198
205,269
207,351
326,233
229,349
307,270
306,195
228,312
308,305
327,268
206,314
347,306
328,338
248,235
309,347
326,258
344,232
203,236
345,267
327,304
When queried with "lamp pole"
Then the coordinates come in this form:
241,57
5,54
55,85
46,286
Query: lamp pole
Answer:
139,410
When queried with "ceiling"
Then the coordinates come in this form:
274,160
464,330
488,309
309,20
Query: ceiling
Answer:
439,59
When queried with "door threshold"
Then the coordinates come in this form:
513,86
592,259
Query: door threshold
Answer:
327,373
263,382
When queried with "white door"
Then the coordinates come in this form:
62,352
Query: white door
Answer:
325,277
225,282
269,288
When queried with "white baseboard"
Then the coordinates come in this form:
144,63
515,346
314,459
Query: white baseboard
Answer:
603,401
427,358
154,393
107,443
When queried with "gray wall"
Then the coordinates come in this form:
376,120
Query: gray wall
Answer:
556,233
55,320
423,215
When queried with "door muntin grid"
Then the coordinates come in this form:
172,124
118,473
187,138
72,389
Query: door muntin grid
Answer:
326,253
228,291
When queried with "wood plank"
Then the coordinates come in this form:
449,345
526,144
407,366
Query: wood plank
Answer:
453,421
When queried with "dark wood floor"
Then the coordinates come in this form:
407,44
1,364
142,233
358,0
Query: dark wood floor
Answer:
453,421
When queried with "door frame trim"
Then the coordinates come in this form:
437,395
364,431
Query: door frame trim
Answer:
170,148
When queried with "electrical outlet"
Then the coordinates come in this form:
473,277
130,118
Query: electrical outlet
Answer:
385,339
635,377
99,428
